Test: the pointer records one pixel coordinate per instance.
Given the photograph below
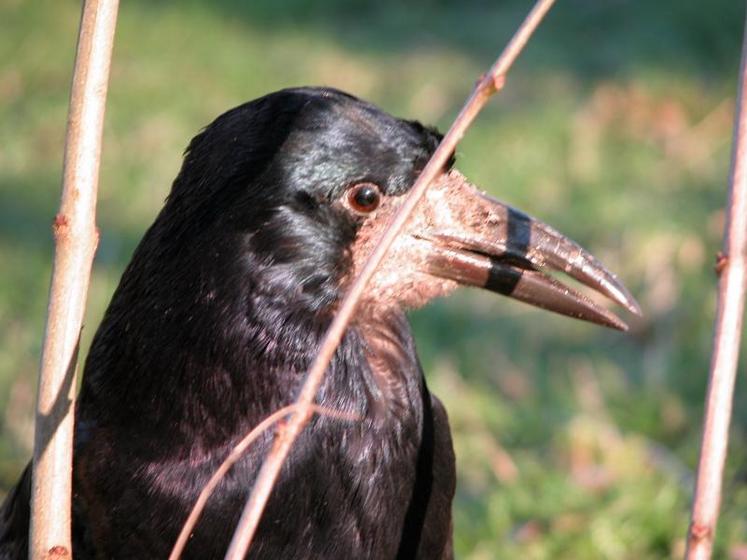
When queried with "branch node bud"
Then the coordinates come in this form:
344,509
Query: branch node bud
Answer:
700,532
60,226
57,553
721,261
499,81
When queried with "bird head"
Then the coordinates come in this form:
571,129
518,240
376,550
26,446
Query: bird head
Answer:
295,188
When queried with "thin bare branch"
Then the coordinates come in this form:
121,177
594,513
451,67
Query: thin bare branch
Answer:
486,86
76,238
732,267
235,454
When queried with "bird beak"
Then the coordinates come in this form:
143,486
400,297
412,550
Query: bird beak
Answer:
476,240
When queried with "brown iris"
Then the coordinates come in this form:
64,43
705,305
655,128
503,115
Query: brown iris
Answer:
364,198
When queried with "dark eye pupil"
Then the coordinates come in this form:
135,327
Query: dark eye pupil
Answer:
365,197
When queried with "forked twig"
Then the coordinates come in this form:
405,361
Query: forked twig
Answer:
489,84
235,454
732,268
75,244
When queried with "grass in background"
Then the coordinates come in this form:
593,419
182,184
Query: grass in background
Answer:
572,441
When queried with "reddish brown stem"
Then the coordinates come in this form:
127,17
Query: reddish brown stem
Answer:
732,271
76,238
491,82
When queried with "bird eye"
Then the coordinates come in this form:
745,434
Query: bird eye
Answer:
364,198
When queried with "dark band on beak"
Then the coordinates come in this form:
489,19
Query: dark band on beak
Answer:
502,279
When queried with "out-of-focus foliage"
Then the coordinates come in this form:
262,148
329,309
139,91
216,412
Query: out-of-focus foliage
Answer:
572,441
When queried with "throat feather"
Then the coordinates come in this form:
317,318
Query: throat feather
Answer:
393,364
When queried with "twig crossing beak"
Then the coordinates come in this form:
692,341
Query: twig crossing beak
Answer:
476,240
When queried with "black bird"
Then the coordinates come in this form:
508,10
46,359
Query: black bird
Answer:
222,309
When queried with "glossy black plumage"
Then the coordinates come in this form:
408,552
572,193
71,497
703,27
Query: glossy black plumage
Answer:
210,330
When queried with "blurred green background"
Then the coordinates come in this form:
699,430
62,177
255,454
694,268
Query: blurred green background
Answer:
573,442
